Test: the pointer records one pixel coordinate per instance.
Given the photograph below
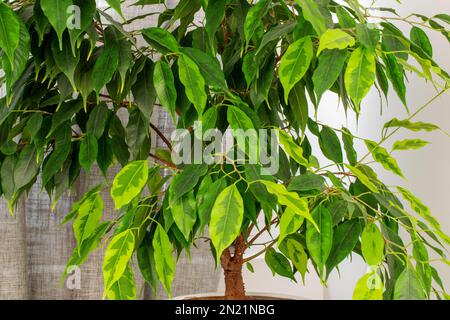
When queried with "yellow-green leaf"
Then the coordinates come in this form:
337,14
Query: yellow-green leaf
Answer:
129,182
408,286
409,144
413,126
298,256
291,148
372,244
369,287
124,288
164,84
164,261
290,222
116,259
89,215
313,15
363,178
335,39
226,219
383,157
290,199
294,64
360,74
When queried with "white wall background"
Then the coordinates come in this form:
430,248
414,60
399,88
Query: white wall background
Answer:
427,170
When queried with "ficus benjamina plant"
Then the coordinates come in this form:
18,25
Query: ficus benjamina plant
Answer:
80,87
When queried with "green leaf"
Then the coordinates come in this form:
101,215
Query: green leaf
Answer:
420,38
161,39
319,236
349,148
368,35
360,74
424,271
56,159
144,90
291,148
209,67
335,39
409,144
137,134
369,287
65,60
290,222
206,197
115,4
184,213
164,261
117,256
372,244
226,219
146,261
279,264
345,238
97,120
26,168
408,287
193,82
290,199
88,9
276,33
88,152
58,14
298,256
331,63
185,181
294,64
89,215
76,206
413,126
105,153
9,31
129,182
330,145
105,66
7,177
165,86
307,181
253,19
365,180
381,155
313,15
395,74
214,15
299,105
124,288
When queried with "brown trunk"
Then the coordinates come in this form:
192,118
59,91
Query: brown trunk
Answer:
232,266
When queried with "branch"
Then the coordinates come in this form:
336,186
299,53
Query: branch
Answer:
162,136
167,163
261,232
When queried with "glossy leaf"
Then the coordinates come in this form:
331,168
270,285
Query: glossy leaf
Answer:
360,74
345,238
291,148
335,39
184,213
186,180
193,82
330,145
105,66
331,63
312,14
298,256
88,152
9,31
165,86
413,126
226,219
124,288
294,64
164,262
129,182
58,13
372,244
290,222
117,255
161,39
26,167
89,215
279,264
319,236
307,181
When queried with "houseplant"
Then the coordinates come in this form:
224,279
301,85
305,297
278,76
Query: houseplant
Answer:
257,67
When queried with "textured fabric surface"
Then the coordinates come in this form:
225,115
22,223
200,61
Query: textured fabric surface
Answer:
34,246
